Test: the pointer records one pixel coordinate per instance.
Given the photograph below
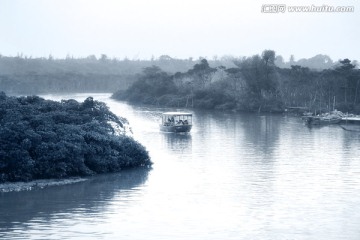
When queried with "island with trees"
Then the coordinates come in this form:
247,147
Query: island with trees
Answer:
43,139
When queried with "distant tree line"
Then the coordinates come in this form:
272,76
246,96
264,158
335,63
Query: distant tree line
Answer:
47,139
63,82
27,75
254,84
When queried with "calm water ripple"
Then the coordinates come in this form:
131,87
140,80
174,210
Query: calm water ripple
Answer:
235,176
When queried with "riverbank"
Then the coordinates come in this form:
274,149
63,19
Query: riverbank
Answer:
36,184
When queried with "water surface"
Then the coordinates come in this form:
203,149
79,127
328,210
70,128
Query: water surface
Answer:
235,176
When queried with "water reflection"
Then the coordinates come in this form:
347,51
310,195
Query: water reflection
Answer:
90,197
262,132
259,133
350,141
180,143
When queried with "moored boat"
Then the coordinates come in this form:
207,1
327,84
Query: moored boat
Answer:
333,117
319,120
176,122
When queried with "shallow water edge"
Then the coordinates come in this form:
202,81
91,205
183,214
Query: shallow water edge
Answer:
37,184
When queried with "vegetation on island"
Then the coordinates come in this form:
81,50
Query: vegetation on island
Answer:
254,84
42,139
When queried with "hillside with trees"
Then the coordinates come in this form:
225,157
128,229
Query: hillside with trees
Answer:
255,83
42,139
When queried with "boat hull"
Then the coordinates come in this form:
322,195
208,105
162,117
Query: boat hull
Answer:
311,120
176,128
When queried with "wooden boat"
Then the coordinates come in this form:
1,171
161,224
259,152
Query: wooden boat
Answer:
321,120
176,122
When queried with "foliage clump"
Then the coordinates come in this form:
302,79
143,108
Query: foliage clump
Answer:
47,139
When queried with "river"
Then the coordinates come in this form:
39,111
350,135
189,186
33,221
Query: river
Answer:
234,176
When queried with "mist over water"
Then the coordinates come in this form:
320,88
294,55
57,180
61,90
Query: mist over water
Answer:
234,176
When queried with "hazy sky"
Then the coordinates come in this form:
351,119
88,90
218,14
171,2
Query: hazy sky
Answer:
140,29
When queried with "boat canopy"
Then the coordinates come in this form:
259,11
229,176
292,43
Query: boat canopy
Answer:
176,118
177,114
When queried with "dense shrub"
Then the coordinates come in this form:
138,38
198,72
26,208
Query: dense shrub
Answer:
47,139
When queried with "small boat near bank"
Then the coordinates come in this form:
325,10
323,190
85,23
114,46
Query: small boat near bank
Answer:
319,120
176,122
334,117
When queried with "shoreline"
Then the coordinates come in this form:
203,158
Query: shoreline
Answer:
37,184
